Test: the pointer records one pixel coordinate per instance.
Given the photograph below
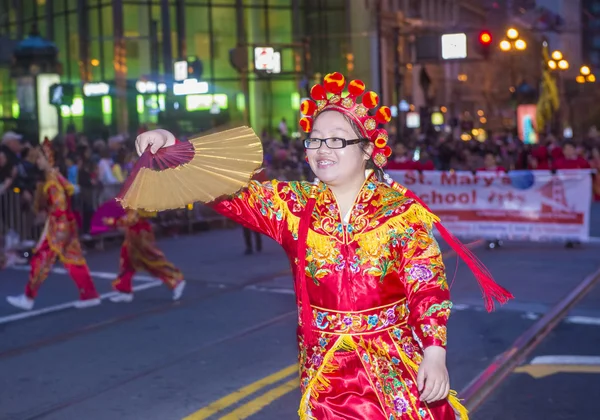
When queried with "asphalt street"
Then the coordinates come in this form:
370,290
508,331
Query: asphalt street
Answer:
227,350
560,380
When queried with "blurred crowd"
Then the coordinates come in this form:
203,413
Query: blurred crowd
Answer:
98,167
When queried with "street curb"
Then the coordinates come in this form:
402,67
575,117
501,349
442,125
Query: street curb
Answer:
483,385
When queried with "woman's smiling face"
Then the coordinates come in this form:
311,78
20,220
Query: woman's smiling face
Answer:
336,166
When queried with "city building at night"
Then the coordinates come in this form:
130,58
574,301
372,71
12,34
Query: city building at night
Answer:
188,65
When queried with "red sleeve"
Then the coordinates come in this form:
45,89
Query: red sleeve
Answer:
427,291
257,207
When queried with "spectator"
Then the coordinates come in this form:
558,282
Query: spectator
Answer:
8,173
105,174
425,163
570,159
87,180
283,131
535,165
490,164
400,160
11,146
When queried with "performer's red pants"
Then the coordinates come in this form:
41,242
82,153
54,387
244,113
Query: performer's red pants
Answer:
156,264
41,264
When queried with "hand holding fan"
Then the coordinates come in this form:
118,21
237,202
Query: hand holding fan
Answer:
202,169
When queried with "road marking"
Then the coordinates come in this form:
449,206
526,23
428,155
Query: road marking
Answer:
97,274
63,306
582,320
242,393
257,404
566,360
277,290
543,366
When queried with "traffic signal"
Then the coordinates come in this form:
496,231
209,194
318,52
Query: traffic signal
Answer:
61,94
195,68
485,43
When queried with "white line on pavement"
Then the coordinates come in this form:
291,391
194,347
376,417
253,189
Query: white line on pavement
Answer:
566,360
62,306
97,274
278,290
582,320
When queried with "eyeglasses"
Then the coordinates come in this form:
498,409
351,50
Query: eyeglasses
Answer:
332,143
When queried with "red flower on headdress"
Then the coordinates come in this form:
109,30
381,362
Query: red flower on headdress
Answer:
308,108
370,100
334,83
356,87
383,115
306,124
318,93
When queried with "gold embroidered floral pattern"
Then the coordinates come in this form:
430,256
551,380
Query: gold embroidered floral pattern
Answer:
347,103
372,320
370,124
361,110
438,332
393,381
334,99
441,310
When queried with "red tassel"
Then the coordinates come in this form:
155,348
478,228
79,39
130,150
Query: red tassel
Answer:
302,288
490,289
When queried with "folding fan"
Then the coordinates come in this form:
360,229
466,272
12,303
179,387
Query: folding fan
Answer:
201,169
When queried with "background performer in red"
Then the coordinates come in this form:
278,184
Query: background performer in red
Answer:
140,253
60,238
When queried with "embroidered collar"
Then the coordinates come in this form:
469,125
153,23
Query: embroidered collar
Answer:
330,221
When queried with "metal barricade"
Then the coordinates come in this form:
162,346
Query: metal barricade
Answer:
17,217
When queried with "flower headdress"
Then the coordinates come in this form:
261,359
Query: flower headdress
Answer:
362,111
48,152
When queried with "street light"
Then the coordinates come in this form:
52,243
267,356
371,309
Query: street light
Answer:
557,55
505,45
520,44
563,64
585,70
557,61
585,75
512,34
512,41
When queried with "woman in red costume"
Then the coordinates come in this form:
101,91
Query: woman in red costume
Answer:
59,239
370,282
139,253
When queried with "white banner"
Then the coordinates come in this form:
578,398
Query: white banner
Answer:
520,205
